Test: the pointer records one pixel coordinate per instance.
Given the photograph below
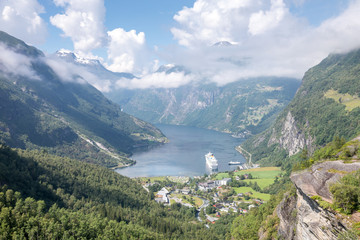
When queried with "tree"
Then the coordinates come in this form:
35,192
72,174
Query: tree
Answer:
345,197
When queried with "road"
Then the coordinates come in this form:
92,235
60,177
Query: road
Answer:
204,205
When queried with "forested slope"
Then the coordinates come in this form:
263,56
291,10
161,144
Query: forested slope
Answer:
54,198
68,117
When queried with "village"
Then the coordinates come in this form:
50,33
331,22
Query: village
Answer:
216,195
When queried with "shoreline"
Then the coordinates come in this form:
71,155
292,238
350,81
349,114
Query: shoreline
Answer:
123,165
241,151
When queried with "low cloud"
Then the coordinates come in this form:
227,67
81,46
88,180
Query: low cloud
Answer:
22,20
13,63
71,72
156,80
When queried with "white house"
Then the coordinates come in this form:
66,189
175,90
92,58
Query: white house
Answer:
161,196
224,181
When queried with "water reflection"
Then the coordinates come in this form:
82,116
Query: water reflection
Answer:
209,170
184,155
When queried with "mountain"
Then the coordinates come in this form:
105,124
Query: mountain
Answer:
68,117
326,105
241,108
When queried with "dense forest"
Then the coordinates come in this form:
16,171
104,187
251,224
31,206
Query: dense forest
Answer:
51,197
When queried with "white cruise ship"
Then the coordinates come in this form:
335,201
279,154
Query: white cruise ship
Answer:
211,161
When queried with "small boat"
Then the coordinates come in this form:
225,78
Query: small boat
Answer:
234,163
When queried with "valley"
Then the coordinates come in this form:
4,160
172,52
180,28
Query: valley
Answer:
204,120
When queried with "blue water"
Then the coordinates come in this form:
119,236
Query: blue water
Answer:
184,155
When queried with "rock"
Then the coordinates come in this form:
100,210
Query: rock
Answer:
312,221
292,138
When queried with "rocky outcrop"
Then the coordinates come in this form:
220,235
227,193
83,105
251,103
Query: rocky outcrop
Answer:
317,179
291,137
287,213
312,221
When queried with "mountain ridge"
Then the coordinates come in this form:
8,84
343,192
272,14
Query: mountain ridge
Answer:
69,118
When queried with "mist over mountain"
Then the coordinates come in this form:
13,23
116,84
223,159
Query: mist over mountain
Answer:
62,114
326,105
242,108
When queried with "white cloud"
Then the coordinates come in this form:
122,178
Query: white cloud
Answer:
267,20
21,18
83,22
210,21
270,41
16,64
156,80
127,52
70,72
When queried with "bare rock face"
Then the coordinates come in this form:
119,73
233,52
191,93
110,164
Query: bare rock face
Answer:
287,213
317,180
291,138
312,221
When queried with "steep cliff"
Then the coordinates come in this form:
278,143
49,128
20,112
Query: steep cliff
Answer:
327,104
302,217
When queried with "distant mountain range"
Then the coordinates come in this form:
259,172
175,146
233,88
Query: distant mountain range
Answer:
68,117
241,108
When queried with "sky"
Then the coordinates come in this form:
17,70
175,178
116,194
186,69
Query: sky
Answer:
267,37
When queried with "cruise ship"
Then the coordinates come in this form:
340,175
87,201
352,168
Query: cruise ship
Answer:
211,161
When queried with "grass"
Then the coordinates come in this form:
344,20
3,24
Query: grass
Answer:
265,172
255,194
264,182
220,176
152,179
198,201
349,101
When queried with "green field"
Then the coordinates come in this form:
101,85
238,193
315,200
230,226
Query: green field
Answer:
220,176
198,201
264,182
263,196
349,101
265,172
262,176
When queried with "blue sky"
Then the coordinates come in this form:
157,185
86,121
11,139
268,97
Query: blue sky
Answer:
155,18
268,37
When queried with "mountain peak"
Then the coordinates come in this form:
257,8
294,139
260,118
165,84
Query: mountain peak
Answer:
223,44
75,58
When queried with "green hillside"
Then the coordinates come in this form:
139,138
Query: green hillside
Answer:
47,197
66,118
326,105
